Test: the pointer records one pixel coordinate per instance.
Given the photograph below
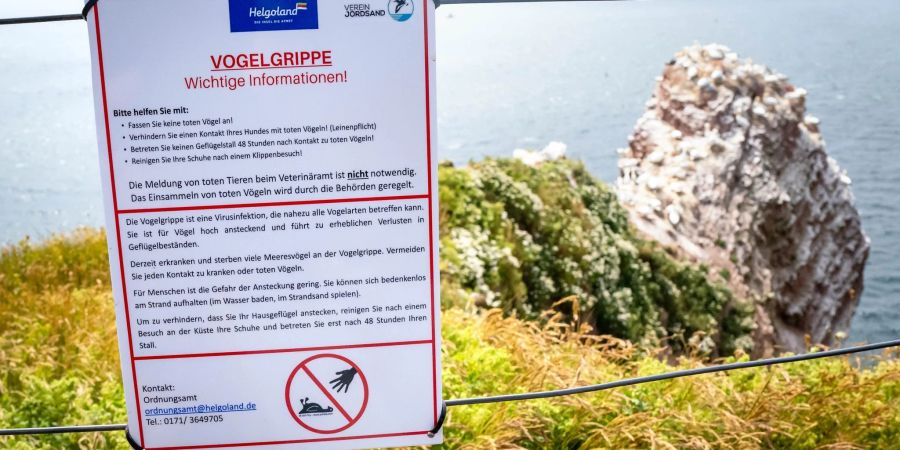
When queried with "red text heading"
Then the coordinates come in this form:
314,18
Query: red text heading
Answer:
245,61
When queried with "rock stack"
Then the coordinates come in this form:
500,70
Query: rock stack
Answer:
726,167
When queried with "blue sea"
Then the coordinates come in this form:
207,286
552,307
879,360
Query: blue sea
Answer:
519,76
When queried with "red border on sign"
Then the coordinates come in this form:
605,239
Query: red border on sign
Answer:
264,204
117,212
350,420
282,350
296,441
115,201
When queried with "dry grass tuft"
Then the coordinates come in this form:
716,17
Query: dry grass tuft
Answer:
816,404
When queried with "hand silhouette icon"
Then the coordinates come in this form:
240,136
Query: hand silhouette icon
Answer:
345,377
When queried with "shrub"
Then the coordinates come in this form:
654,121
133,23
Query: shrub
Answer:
58,356
825,403
520,238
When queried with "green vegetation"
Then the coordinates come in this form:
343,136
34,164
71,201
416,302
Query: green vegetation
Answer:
548,256
59,365
520,238
810,405
58,356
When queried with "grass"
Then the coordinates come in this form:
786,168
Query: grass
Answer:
809,405
59,365
58,354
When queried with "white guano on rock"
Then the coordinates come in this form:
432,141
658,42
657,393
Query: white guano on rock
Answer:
733,173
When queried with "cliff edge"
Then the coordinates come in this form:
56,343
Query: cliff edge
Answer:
726,167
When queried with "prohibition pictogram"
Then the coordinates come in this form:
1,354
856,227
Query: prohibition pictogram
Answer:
326,409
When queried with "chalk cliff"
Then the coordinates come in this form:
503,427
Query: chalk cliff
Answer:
726,167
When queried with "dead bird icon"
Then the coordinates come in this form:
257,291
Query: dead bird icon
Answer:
313,408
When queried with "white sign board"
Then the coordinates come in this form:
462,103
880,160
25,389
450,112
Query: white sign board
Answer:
271,205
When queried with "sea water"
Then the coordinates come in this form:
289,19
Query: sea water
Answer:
518,76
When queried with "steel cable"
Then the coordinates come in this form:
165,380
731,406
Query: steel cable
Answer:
546,394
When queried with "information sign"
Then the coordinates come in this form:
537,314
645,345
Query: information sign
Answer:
271,206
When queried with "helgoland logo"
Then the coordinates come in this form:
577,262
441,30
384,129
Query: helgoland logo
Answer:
271,15
400,10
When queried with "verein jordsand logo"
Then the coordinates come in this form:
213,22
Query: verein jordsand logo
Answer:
400,10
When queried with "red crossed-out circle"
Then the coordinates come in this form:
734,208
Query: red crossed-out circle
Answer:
304,367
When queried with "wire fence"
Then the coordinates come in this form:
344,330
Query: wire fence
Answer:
474,400
90,4
546,394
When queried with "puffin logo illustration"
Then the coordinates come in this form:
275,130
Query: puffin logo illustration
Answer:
400,10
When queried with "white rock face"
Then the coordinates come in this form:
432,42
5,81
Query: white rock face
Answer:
744,184
553,151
